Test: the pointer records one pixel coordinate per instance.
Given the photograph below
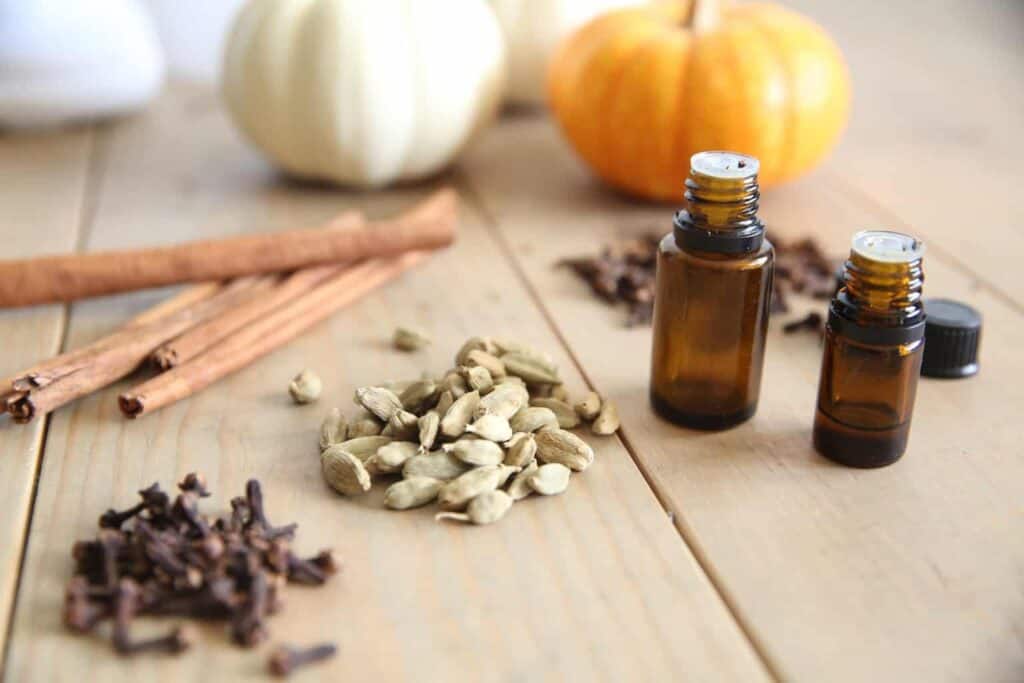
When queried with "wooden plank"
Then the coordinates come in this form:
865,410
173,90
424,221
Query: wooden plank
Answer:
595,584
911,572
934,136
42,185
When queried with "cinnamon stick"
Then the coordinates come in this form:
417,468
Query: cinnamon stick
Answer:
185,298
81,372
201,337
49,371
264,335
25,282
41,373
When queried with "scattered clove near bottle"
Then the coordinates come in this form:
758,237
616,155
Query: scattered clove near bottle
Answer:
874,344
624,272
711,304
812,321
284,660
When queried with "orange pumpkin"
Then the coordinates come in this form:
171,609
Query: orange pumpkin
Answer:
638,91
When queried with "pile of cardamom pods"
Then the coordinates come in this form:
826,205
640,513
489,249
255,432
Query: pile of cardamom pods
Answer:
491,431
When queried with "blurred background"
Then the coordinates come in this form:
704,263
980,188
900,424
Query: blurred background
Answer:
934,90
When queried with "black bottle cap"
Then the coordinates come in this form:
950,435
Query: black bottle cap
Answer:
951,337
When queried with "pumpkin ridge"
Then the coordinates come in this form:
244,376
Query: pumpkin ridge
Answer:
789,140
626,173
681,141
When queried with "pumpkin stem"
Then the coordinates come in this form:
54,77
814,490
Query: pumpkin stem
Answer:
704,15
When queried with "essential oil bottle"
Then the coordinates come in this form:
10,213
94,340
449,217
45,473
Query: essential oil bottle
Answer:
874,343
714,281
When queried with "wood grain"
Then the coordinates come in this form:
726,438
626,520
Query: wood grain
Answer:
42,187
593,585
907,573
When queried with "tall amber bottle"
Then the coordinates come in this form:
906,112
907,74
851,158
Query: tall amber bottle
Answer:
874,343
711,303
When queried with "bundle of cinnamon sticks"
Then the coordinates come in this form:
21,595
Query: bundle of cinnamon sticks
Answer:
254,294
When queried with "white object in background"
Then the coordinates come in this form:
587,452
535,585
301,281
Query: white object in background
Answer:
193,34
364,92
533,29
62,60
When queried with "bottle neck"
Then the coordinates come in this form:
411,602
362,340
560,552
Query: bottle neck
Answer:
882,293
720,215
722,204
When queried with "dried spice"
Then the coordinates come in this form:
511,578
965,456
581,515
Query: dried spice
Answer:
813,321
334,429
457,418
162,557
471,440
534,419
286,659
412,492
408,339
550,479
402,425
802,267
457,493
486,508
476,452
590,407
520,487
564,447
564,413
522,449
428,426
624,272
380,401
607,421
306,387
491,427
344,472
392,457
504,401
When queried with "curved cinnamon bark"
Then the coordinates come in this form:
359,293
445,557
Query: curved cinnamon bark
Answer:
203,336
75,276
264,335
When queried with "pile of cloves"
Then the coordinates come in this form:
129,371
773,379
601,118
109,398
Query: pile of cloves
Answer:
162,557
624,272
801,267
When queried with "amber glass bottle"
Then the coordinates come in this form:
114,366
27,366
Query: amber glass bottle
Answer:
711,302
874,343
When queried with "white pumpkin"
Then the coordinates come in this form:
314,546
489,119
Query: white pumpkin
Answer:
364,92
533,29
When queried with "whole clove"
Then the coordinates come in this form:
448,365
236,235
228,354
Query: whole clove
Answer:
163,557
623,272
285,659
196,483
812,321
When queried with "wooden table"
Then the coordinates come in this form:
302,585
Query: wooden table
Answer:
732,556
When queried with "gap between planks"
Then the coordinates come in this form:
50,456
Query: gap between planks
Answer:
686,536
95,156
838,184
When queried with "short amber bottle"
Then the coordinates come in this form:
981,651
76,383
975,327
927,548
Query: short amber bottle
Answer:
714,282
874,343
